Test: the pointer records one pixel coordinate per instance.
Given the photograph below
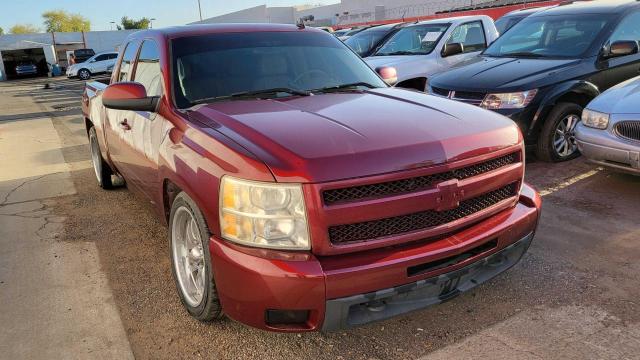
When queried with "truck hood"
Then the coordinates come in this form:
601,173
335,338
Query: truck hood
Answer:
347,135
491,74
406,65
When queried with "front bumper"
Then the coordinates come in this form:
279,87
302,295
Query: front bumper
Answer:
332,288
603,148
384,304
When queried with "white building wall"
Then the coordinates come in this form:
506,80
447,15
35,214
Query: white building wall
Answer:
358,11
96,40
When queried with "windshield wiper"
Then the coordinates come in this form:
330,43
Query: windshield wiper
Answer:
398,53
345,86
522,54
256,93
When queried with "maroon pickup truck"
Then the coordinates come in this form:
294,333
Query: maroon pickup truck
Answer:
301,192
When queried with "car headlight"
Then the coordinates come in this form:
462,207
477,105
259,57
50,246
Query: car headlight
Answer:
260,214
516,100
595,119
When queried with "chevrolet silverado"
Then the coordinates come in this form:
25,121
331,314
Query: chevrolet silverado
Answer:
300,191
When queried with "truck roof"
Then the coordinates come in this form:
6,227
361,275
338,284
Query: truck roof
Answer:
201,29
454,19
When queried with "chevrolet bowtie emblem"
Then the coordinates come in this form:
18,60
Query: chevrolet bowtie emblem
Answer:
449,195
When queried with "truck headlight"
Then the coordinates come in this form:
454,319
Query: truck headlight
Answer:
260,214
517,100
595,119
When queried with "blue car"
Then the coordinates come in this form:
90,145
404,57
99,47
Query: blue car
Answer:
26,69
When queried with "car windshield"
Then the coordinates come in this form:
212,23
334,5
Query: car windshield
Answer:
341,32
224,66
414,40
505,23
564,36
363,42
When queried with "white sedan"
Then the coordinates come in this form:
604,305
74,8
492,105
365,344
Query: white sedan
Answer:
97,64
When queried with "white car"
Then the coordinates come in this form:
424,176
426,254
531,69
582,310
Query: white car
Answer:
421,50
97,64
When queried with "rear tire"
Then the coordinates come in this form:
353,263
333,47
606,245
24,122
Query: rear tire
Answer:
191,260
84,74
557,141
100,167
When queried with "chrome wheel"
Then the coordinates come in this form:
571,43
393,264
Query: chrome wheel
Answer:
96,157
564,139
84,74
188,256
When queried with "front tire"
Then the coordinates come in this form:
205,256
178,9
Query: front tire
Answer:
191,260
100,167
84,74
557,141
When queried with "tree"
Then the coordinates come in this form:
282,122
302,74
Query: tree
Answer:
24,29
62,21
1,31
129,24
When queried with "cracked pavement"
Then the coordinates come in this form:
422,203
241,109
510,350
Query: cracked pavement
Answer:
65,241
56,301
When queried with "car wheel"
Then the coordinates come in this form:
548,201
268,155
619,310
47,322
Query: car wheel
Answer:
557,141
100,167
84,74
191,260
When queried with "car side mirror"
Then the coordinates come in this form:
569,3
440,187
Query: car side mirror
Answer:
452,49
129,96
621,48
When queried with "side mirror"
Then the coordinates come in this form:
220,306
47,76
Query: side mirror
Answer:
621,48
452,49
129,96
388,74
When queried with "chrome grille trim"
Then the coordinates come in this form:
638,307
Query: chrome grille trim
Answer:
628,130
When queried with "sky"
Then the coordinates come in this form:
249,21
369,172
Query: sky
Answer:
102,12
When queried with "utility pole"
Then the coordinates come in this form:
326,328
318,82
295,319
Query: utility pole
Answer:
200,10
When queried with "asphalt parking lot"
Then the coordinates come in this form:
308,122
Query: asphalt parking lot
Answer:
87,271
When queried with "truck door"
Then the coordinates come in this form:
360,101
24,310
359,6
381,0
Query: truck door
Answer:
147,128
117,128
473,39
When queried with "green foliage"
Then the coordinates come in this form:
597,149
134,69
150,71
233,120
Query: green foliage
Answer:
129,24
1,31
24,29
62,21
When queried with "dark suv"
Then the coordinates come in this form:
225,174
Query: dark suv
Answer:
544,70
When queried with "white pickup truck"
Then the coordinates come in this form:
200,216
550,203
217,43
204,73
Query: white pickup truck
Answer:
423,49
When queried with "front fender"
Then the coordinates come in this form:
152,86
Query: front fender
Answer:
553,95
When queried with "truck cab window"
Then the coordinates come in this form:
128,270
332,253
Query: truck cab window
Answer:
148,68
127,62
470,35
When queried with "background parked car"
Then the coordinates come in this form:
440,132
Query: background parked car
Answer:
419,50
354,31
609,134
543,71
368,41
341,32
82,55
97,64
508,20
26,68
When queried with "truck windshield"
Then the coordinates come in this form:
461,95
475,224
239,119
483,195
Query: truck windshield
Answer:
564,36
259,64
414,40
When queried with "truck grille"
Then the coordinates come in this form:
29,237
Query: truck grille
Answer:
469,97
336,196
629,130
371,230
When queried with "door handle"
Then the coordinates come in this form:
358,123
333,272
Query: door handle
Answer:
124,125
